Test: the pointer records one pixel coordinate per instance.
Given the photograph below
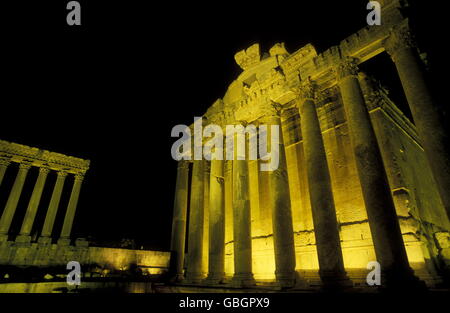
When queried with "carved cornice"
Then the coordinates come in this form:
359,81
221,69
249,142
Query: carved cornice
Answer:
249,57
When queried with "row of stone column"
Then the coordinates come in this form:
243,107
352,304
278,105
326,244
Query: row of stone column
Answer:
401,47
383,221
330,255
27,224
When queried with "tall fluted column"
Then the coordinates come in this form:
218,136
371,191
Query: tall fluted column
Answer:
24,235
71,209
242,233
384,226
216,223
279,197
331,264
4,162
196,214
13,199
52,209
178,243
427,119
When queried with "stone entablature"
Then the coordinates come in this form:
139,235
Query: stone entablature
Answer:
276,77
37,157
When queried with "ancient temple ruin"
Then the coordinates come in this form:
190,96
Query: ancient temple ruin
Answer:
47,162
357,182
51,248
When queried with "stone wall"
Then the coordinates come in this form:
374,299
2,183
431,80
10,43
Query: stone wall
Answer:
34,254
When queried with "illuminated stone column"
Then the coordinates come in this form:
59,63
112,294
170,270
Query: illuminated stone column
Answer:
430,128
242,233
71,208
279,202
216,268
205,252
52,209
4,162
331,264
384,226
13,199
178,243
195,236
24,235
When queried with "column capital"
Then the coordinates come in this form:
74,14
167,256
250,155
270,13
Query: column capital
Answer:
347,67
61,173
307,89
79,177
400,38
24,165
5,161
44,170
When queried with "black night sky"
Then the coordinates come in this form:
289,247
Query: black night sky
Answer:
112,89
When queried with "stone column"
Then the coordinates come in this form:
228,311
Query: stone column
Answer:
427,119
24,235
71,208
177,244
52,209
216,268
13,199
195,236
384,226
331,264
242,234
279,202
4,162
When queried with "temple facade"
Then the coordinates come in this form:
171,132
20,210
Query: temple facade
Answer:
357,181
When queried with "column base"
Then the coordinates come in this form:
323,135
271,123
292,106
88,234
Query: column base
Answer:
285,279
332,281
243,280
23,239
178,278
401,280
215,279
63,241
43,240
193,278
